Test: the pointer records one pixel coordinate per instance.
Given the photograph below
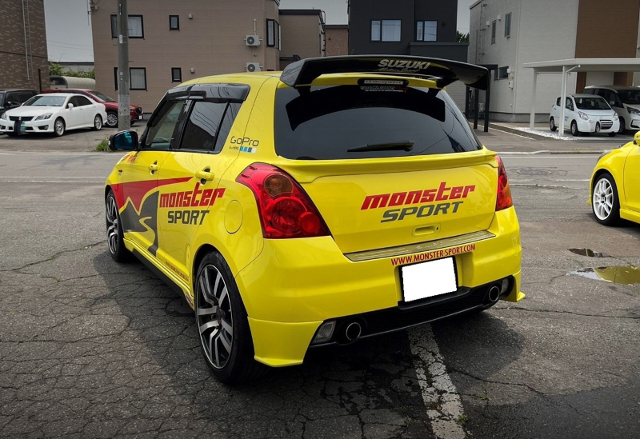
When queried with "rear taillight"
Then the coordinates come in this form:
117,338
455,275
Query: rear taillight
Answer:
286,211
504,193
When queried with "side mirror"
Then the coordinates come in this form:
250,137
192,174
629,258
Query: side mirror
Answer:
69,105
636,138
124,141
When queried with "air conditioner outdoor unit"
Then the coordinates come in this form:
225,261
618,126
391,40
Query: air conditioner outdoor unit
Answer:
253,67
252,40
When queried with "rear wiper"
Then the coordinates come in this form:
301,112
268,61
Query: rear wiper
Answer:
407,145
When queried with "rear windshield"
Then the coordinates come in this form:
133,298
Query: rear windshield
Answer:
323,123
595,103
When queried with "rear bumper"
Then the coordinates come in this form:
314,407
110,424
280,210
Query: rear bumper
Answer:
295,285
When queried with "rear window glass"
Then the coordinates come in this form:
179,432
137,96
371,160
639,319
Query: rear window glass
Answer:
323,123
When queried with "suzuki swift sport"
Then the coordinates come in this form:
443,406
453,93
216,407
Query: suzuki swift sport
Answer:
342,198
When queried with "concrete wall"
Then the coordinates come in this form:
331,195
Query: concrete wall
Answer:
212,42
13,65
337,40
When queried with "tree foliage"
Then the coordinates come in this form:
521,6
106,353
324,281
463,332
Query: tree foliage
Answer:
59,70
462,38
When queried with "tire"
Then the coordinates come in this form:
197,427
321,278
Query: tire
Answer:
623,127
59,127
115,241
225,336
574,129
598,129
112,119
604,200
97,123
552,124
612,134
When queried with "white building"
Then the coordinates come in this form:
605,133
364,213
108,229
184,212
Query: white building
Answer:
509,33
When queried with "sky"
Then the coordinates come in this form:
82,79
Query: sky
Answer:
69,30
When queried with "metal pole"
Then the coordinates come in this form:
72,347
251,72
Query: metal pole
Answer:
487,100
124,118
476,106
532,116
563,99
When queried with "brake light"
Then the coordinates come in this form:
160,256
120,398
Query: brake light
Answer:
504,193
286,211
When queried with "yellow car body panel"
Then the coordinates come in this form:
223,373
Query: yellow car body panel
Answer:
291,286
624,166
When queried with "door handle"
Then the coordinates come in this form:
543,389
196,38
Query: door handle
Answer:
153,167
205,174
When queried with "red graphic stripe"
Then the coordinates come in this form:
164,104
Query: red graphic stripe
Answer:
136,190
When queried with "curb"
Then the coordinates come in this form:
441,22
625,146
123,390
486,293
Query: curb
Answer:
510,130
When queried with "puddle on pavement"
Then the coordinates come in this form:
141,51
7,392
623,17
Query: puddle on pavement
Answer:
588,252
624,275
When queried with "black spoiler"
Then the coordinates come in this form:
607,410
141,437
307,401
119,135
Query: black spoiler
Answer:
443,71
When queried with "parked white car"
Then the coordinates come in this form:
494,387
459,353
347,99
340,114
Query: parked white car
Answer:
585,113
624,100
53,113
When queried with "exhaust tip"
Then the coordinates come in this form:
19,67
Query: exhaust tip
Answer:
494,294
353,331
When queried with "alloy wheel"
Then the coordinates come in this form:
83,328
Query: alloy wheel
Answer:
112,225
603,199
112,120
59,127
214,316
97,122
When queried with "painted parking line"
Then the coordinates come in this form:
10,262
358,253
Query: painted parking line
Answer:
441,399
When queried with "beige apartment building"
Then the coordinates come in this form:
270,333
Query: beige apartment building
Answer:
174,41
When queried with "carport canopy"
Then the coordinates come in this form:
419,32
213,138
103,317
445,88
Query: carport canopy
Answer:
566,66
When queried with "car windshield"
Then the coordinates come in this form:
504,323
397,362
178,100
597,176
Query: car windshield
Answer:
630,96
45,101
356,122
592,103
102,97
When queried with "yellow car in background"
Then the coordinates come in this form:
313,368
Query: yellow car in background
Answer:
615,185
342,198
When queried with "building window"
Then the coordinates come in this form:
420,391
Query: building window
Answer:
137,78
174,22
274,35
507,25
386,30
502,73
136,28
176,74
493,32
427,31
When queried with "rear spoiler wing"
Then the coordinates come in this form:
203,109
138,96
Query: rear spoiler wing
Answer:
443,71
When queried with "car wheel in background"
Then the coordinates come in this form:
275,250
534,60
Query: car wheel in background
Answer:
97,122
574,128
612,134
59,127
552,124
225,336
604,201
115,241
622,126
597,127
112,119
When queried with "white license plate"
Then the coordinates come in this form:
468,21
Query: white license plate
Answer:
428,279
139,117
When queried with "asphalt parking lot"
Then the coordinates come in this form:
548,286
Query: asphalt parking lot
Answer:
90,348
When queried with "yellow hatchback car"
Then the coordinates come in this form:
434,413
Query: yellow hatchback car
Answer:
615,185
342,198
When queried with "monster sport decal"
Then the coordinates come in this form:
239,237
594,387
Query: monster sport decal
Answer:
419,197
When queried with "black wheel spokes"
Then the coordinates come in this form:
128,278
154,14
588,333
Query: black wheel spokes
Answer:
214,316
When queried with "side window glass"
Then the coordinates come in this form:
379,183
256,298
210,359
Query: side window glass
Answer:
82,101
227,123
569,104
202,127
558,102
164,125
13,98
24,97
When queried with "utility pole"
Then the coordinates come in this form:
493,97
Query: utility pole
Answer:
124,120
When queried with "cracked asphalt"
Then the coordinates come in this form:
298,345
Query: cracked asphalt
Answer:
94,349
